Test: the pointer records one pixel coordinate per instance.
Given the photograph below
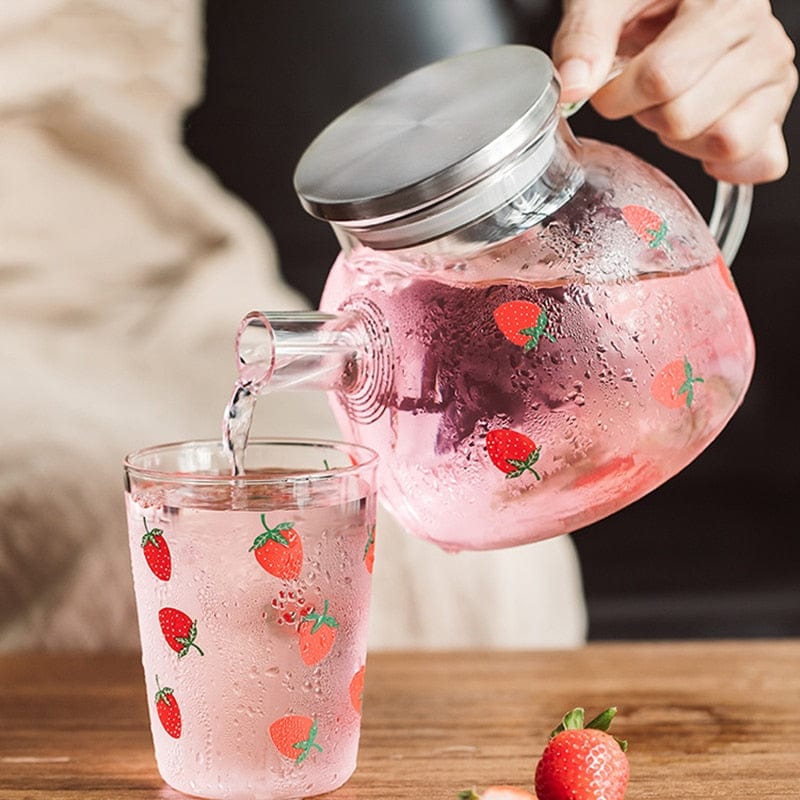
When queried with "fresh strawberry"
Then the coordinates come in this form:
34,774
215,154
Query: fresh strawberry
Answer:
369,550
512,452
156,552
294,737
583,763
673,386
357,689
179,630
279,550
317,635
522,322
168,710
497,793
647,225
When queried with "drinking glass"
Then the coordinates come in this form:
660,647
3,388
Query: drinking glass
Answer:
252,594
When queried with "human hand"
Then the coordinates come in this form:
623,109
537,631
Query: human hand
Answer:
712,78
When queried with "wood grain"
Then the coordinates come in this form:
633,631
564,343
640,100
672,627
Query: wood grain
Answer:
704,720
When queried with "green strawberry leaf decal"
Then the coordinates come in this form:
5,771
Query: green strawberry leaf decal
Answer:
673,386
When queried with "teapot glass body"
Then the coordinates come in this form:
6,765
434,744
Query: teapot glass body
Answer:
528,383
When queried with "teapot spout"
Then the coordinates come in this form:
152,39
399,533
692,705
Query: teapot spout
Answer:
298,350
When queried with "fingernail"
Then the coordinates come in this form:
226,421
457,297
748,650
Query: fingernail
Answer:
575,74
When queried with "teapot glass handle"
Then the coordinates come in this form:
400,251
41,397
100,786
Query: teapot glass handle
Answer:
732,202
730,216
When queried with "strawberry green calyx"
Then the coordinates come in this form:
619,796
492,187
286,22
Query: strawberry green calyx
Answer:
468,794
687,387
272,534
188,641
525,465
370,540
574,720
321,619
306,745
151,535
163,694
658,236
537,331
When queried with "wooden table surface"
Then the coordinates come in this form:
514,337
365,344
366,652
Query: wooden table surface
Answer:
704,720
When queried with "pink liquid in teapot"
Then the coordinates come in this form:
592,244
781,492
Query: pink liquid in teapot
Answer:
524,406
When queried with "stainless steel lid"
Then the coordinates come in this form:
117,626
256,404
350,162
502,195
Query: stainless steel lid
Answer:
428,136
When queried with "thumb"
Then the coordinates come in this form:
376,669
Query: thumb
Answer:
585,44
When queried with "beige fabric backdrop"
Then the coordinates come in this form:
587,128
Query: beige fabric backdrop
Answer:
124,270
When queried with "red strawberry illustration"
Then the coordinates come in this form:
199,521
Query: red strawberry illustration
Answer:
512,452
156,552
317,635
522,322
179,630
583,763
294,737
673,385
647,225
168,710
357,689
279,550
369,550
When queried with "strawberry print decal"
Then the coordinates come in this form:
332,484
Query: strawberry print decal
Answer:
523,323
179,630
279,550
169,711
512,452
156,552
295,737
317,635
673,385
357,689
369,550
647,225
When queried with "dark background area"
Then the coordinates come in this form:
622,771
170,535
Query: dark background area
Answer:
715,552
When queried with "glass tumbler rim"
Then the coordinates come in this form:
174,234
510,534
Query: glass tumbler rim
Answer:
136,470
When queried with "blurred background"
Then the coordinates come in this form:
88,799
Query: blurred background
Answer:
716,551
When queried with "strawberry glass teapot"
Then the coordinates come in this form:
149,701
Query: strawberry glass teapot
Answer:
532,331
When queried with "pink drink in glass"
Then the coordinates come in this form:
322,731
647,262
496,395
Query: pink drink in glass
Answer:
252,598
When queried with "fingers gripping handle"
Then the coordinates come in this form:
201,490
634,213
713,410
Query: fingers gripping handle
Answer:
732,203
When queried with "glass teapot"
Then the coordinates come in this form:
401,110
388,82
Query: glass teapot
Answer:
533,331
